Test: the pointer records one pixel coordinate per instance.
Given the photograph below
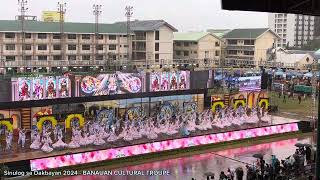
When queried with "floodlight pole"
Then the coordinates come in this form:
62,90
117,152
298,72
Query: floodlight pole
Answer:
128,15
62,10
23,9
97,12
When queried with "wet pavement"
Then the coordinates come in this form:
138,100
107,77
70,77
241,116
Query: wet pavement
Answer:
196,166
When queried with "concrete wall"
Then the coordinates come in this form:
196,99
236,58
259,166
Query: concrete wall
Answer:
262,44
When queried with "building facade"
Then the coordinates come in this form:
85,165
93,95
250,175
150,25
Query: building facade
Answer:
249,46
295,30
197,45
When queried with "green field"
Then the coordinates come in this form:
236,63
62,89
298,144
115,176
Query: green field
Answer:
292,106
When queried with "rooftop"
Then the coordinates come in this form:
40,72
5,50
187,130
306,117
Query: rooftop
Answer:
189,36
54,27
147,25
245,33
219,32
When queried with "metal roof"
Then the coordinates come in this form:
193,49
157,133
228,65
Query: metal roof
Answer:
147,25
189,36
54,27
219,32
246,33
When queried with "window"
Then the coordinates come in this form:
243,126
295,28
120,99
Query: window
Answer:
100,36
249,53
10,35
248,42
57,47
217,53
42,58
42,36
232,42
178,44
178,53
85,36
10,47
56,36
186,53
157,35
42,47
156,56
100,47
99,57
86,57
57,57
86,47
157,47
27,47
72,36
112,37
112,47
126,46
195,52
27,35
28,58
195,43
10,58
233,52
72,47
217,44
186,44
72,57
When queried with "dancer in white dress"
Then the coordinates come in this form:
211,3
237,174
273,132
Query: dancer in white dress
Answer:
46,143
59,143
36,143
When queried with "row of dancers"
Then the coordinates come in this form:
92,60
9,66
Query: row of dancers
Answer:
99,133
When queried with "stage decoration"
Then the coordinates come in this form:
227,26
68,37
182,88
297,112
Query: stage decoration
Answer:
264,101
51,87
154,147
135,113
190,107
239,102
43,112
63,87
24,91
43,119
169,81
71,117
167,110
109,84
8,123
216,104
38,88
106,115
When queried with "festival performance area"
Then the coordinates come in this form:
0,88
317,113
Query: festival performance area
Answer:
167,111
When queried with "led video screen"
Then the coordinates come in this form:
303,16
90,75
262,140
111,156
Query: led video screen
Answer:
110,84
39,88
252,83
169,81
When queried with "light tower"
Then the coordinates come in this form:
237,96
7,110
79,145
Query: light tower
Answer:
128,15
96,12
23,9
62,10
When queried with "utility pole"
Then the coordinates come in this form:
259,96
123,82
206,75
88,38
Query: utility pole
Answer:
62,10
96,12
23,9
128,15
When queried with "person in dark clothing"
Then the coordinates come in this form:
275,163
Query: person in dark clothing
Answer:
284,98
299,98
222,176
239,173
308,154
279,94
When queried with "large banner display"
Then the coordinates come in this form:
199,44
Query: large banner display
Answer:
169,81
40,88
110,84
252,83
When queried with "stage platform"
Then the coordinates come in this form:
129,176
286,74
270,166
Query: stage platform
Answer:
38,160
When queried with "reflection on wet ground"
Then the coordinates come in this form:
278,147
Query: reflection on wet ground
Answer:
196,166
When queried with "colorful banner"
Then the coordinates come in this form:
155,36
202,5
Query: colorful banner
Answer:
24,90
109,84
250,83
38,88
169,81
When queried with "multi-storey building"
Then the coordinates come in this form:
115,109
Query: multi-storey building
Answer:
295,30
250,46
196,45
47,48
153,41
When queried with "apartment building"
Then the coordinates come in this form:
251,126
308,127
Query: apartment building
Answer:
196,45
250,46
295,30
153,41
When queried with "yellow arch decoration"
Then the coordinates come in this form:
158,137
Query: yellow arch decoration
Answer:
242,102
71,116
215,104
7,124
52,119
266,101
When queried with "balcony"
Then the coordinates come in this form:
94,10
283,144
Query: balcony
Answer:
243,48
140,38
139,48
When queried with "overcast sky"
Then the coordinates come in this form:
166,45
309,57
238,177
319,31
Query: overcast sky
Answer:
185,15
